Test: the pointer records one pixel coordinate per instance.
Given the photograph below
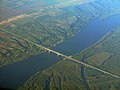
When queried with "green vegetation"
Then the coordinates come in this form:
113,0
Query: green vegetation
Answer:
109,44
99,58
110,61
70,72
11,8
15,49
49,24
48,29
64,75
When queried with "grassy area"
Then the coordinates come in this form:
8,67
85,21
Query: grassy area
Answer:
47,30
67,75
99,58
52,28
14,49
106,51
64,75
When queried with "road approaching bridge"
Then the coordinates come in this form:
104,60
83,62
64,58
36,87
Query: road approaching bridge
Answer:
77,61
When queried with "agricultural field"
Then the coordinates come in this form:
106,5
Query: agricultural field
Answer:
11,8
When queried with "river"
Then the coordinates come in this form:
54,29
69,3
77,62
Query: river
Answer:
14,75
91,34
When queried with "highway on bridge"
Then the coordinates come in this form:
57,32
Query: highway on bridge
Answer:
67,57
75,60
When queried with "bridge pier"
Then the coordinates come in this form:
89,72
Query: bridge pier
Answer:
58,55
49,51
75,60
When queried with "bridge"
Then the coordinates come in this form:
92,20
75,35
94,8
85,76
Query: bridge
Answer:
67,57
77,61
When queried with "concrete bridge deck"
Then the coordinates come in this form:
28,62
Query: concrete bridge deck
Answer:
68,57
77,61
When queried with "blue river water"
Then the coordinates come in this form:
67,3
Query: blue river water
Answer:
91,34
14,75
